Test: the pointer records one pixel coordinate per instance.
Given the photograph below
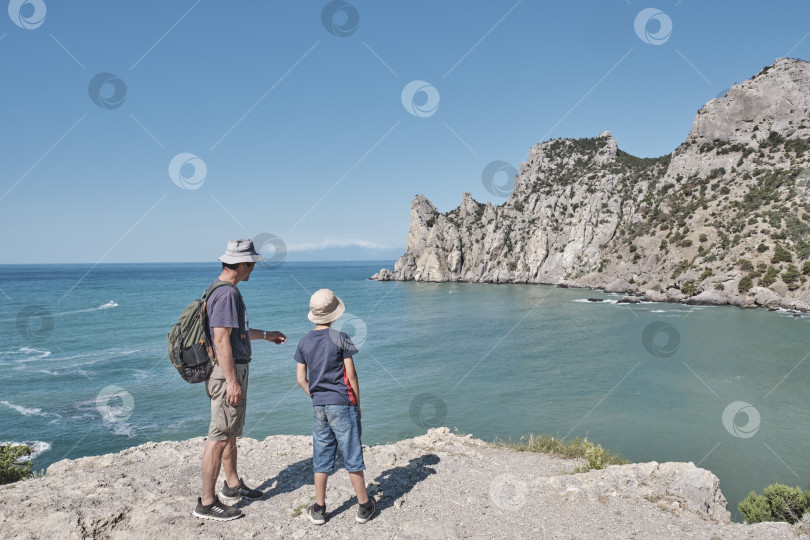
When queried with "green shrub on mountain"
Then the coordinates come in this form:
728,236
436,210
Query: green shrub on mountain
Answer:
11,470
689,287
791,276
780,254
745,284
778,502
746,265
770,277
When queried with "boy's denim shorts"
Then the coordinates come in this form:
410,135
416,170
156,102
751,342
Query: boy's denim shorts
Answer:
336,426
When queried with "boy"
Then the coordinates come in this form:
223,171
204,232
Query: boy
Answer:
324,357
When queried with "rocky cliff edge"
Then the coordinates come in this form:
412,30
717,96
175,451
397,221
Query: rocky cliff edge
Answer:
439,485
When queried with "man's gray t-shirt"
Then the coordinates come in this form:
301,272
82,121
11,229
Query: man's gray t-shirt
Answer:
223,311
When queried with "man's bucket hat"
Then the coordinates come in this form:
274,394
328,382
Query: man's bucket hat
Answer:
325,307
240,251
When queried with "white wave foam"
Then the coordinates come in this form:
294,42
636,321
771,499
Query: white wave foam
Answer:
23,355
30,351
40,447
25,411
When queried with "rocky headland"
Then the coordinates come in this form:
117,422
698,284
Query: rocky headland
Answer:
439,485
723,219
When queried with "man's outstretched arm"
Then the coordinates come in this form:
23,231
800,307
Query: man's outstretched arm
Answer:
270,335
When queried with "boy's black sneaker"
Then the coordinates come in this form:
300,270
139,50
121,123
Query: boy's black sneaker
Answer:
239,491
216,510
318,516
365,514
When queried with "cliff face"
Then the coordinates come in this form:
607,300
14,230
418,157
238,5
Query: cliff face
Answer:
723,219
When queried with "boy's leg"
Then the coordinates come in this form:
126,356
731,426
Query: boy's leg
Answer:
320,488
359,484
346,424
324,447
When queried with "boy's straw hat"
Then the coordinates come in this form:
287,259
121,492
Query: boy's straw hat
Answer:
325,307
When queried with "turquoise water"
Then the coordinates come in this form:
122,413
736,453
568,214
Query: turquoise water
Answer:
498,361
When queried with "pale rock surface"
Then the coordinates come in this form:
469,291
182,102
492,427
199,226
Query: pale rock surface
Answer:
439,485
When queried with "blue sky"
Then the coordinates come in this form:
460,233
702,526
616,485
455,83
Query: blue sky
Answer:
302,131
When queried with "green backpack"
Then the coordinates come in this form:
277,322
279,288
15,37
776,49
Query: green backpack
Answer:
190,347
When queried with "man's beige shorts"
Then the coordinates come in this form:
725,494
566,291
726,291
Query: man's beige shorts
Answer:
226,421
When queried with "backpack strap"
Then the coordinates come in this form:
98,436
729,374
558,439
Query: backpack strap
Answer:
216,286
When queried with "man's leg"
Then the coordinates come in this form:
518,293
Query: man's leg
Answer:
229,463
211,463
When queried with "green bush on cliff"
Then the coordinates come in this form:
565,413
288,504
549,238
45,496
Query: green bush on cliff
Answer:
778,502
791,276
10,469
780,254
596,456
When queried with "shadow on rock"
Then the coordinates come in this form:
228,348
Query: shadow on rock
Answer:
395,483
293,477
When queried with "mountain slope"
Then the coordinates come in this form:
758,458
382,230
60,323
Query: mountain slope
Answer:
723,219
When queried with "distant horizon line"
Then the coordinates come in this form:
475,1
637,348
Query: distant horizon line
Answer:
181,262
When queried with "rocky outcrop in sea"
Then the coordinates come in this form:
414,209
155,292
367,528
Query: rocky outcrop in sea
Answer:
723,219
439,485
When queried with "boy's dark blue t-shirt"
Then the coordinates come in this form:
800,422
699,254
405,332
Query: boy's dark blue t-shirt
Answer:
323,352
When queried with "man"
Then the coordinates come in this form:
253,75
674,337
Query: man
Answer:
227,387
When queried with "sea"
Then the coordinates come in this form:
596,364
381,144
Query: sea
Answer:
84,368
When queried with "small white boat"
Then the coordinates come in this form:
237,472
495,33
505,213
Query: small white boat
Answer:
111,303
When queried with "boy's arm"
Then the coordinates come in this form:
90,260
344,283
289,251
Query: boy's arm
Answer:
301,375
351,374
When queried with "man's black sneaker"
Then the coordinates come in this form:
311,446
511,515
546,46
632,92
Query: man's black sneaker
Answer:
316,516
365,514
216,510
239,491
